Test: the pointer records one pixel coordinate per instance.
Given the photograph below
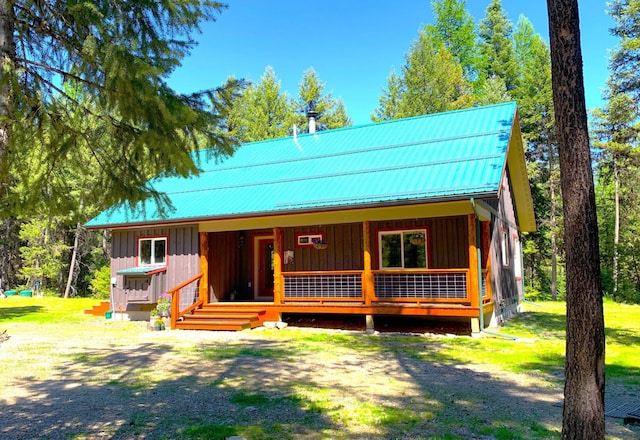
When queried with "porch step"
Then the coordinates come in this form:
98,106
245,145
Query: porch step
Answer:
190,323
98,310
230,319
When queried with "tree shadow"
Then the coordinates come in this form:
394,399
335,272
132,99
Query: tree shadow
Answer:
260,387
7,313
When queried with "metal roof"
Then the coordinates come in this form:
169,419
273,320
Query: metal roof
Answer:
433,157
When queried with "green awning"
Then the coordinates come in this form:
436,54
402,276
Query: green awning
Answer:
142,270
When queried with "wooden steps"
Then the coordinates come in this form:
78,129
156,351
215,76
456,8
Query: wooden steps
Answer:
209,317
98,310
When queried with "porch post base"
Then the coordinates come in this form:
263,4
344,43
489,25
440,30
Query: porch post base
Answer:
368,319
475,325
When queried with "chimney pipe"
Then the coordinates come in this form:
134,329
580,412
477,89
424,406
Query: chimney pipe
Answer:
311,114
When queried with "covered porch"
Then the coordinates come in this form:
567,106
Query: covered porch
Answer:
278,270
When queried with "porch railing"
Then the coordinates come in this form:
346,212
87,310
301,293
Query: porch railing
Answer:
188,298
390,285
334,285
434,285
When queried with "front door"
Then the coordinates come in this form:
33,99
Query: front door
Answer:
264,268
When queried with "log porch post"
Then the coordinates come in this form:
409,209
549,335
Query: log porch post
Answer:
278,282
203,286
368,283
473,290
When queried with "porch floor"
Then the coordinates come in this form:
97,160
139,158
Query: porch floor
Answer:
235,315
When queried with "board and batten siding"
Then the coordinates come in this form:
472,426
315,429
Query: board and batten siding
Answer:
182,263
507,291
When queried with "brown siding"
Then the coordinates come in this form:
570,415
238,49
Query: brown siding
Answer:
224,259
506,289
182,263
344,252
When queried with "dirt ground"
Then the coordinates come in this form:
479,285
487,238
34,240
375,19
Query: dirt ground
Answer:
106,384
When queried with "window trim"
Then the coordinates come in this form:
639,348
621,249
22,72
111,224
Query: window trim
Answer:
153,239
402,230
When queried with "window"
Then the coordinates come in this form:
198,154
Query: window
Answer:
403,249
504,233
152,251
517,257
307,239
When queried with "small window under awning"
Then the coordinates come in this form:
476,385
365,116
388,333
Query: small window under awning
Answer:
142,270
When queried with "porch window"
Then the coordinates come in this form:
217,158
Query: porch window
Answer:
403,249
152,251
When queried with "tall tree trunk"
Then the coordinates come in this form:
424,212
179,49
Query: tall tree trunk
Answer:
554,228
74,257
7,55
616,227
583,416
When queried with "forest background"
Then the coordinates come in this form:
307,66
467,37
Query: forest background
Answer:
453,63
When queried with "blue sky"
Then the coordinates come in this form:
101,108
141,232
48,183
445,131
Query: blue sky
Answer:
353,44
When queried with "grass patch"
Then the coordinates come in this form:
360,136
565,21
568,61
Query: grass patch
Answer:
294,383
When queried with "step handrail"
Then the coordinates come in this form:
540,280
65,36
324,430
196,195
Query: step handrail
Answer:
175,300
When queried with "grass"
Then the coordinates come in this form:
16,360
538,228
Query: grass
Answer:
362,387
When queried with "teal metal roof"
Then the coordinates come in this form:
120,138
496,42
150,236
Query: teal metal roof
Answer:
141,270
451,155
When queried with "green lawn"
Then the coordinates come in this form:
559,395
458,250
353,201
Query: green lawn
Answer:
294,383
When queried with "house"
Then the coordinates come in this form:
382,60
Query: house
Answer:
413,217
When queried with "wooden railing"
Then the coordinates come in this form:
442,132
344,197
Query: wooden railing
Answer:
175,300
447,285
336,285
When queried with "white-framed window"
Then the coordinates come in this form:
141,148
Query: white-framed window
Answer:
517,257
403,249
152,251
307,239
504,247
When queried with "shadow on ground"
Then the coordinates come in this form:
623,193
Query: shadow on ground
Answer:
326,385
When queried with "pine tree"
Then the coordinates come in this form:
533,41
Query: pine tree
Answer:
120,54
454,28
496,46
625,58
431,81
330,112
616,133
535,104
263,111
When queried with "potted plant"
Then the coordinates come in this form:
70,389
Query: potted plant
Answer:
158,324
164,305
319,244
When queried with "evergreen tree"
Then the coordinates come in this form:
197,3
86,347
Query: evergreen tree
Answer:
616,135
535,104
263,111
120,54
625,59
389,106
454,28
329,112
432,81
496,46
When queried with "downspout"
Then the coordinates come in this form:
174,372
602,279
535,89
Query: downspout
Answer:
481,293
